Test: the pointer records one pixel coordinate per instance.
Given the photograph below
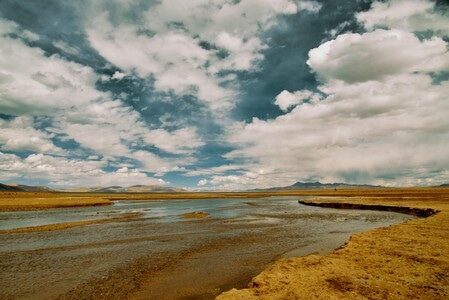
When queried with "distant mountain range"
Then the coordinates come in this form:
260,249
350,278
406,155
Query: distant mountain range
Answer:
318,186
7,188
136,189
105,190
24,188
164,189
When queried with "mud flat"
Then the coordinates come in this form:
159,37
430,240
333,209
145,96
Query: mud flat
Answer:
402,261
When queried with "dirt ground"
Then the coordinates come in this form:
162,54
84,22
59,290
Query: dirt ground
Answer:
404,261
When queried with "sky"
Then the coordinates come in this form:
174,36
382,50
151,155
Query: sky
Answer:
224,94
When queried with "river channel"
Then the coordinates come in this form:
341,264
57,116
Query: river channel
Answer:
147,250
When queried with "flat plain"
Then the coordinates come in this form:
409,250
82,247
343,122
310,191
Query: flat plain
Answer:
402,261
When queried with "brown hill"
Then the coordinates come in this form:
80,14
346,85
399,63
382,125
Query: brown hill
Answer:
8,188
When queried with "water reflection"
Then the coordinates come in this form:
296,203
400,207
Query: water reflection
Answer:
246,234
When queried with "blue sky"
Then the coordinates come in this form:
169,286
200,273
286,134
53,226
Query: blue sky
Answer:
225,94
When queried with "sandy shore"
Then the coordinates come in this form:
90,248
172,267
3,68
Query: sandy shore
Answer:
404,261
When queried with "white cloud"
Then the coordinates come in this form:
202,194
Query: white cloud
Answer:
181,141
207,18
19,134
383,120
64,93
214,170
58,171
118,75
285,99
34,84
374,129
7,27
102,139
311,6
202,182
287,7
153,163
410,15
376,55
165,43
254,178
175,59
66,48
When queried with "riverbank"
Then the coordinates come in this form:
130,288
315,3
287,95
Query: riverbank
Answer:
403,261
156,253
410,260
14,201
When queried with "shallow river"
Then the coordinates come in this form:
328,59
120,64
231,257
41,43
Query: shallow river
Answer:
148,251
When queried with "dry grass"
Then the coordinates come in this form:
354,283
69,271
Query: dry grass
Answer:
37,200
33,201
404,261
195,215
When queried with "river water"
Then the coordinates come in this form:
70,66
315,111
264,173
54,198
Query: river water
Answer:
147,250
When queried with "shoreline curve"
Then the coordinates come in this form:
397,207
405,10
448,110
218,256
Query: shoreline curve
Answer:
419,212
403,261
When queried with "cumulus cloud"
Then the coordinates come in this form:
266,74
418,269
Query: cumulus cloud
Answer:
35,85
379,115
381,119
244,180
59,171
186,45
376,55
202,182
181,141
285,99
412,16
20,135
360,132
175,59
154,164
118,75
214,170
311,6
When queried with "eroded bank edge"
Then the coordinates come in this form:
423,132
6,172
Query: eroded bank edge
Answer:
419,212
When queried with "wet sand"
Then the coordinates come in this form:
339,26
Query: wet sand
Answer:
403,261
197,258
